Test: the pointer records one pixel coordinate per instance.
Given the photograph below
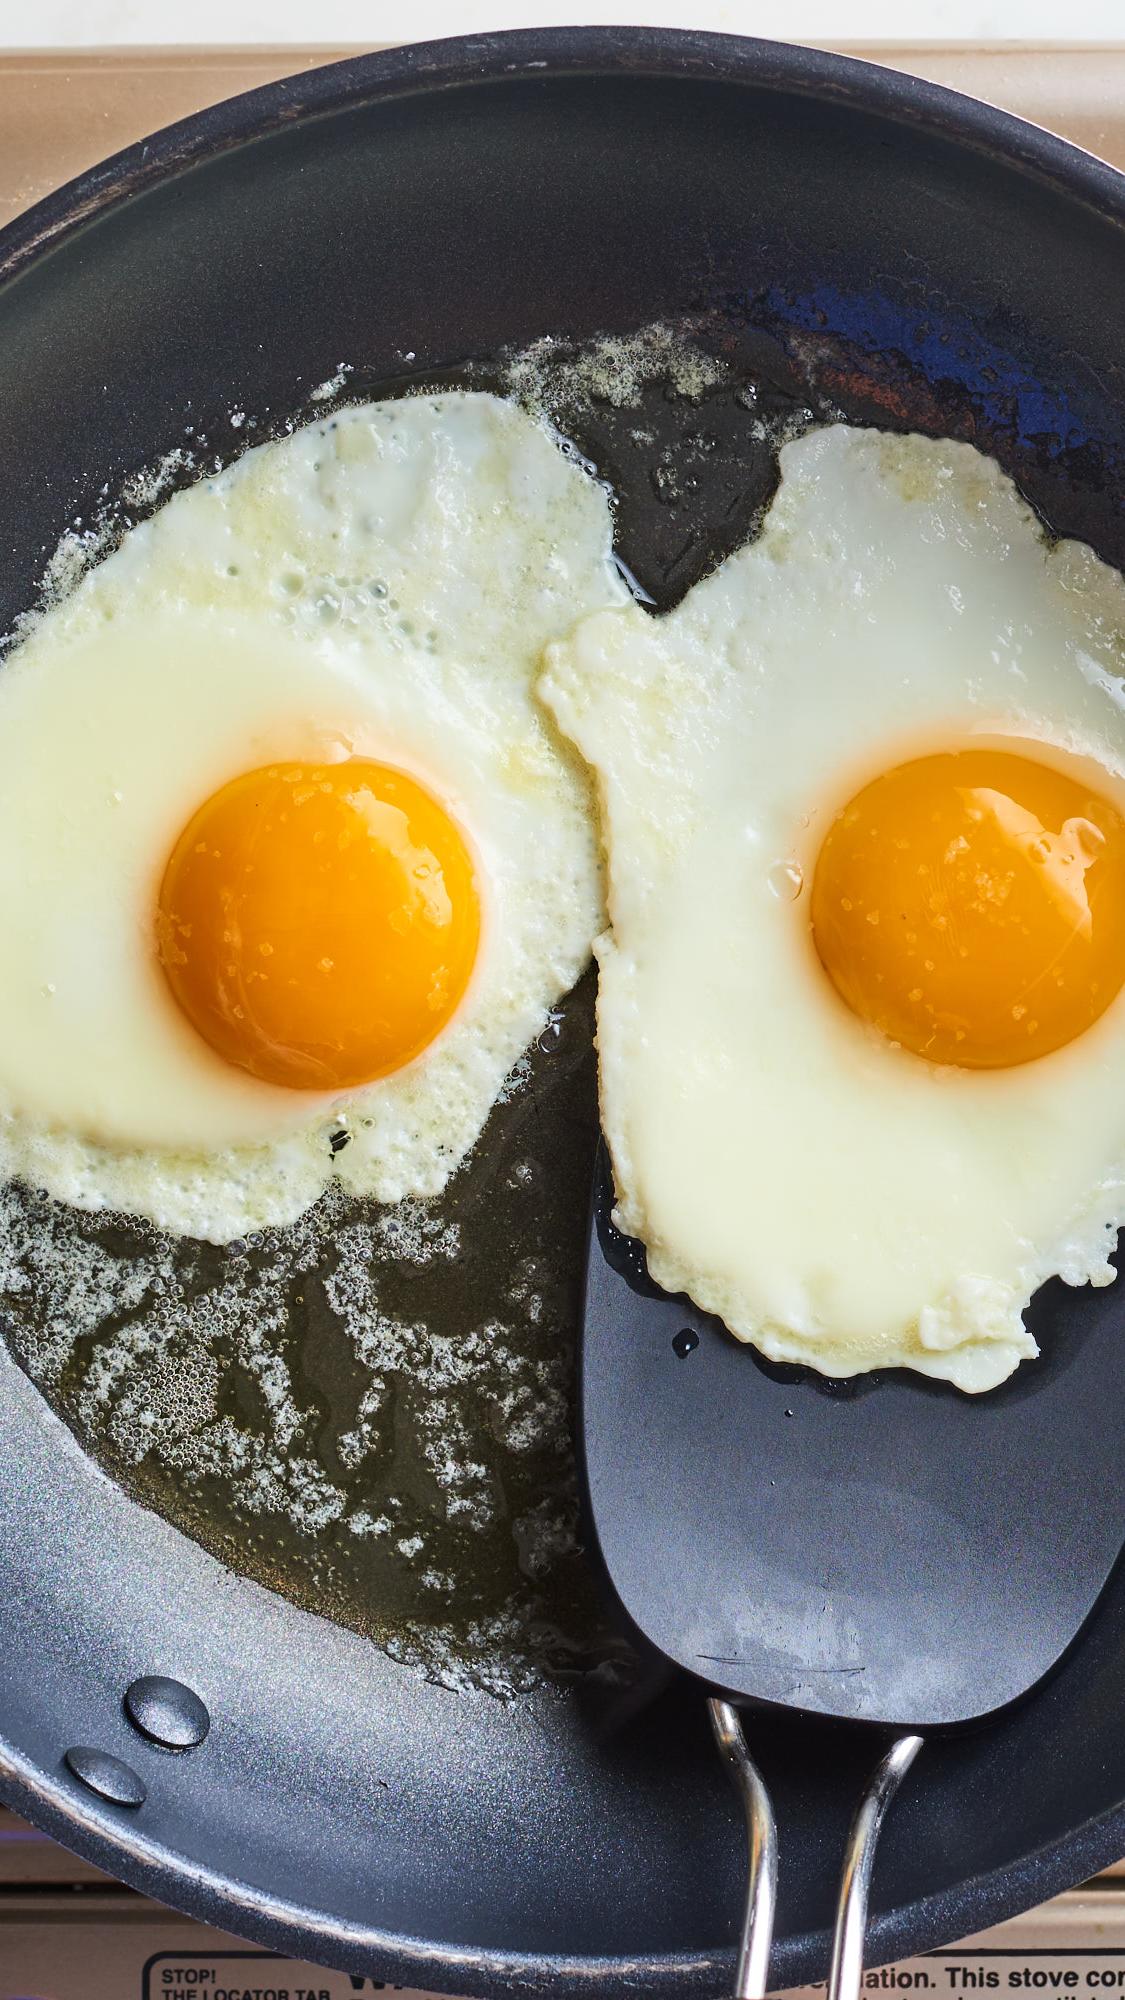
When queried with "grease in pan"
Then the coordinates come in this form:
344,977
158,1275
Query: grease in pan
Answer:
319,611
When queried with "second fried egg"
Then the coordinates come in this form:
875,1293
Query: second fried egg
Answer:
861,1025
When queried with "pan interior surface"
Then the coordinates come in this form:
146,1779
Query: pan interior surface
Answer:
834,240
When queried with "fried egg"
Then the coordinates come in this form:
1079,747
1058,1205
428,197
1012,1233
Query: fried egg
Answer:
293,866
861,1026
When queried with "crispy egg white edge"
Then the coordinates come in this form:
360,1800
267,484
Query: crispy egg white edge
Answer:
246,1188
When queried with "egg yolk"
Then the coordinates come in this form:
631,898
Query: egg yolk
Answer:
318,923
972,906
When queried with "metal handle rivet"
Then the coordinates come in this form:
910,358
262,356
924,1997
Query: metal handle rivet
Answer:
166,1712
108,1777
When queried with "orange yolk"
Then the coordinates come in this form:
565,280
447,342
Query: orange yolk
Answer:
971,905
318,923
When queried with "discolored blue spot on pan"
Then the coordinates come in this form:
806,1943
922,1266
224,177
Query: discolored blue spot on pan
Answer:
1039,409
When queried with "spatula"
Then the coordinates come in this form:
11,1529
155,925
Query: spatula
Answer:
890,1551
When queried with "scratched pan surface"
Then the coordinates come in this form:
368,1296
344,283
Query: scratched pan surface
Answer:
842,237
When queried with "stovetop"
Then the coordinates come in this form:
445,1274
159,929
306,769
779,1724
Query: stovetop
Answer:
66,1931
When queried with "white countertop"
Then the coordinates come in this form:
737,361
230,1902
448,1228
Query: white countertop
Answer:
180,23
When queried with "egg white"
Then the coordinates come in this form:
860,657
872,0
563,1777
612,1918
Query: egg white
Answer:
838,1201
382,583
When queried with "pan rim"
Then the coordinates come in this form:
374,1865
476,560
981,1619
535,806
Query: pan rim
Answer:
458,62
278,1923
1014,145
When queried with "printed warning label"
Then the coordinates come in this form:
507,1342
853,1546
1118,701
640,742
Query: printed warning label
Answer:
248,1975
994,1970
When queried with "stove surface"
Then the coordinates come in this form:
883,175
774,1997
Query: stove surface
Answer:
66,1931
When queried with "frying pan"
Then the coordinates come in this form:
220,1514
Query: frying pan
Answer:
932,264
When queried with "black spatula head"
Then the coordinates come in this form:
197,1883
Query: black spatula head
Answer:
892,1550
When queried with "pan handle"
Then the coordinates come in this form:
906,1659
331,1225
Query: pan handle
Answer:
859,1860
752,1967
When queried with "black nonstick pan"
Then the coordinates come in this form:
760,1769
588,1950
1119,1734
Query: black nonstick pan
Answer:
851,240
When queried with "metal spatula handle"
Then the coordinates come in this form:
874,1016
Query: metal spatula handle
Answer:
752,1966
859,1860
